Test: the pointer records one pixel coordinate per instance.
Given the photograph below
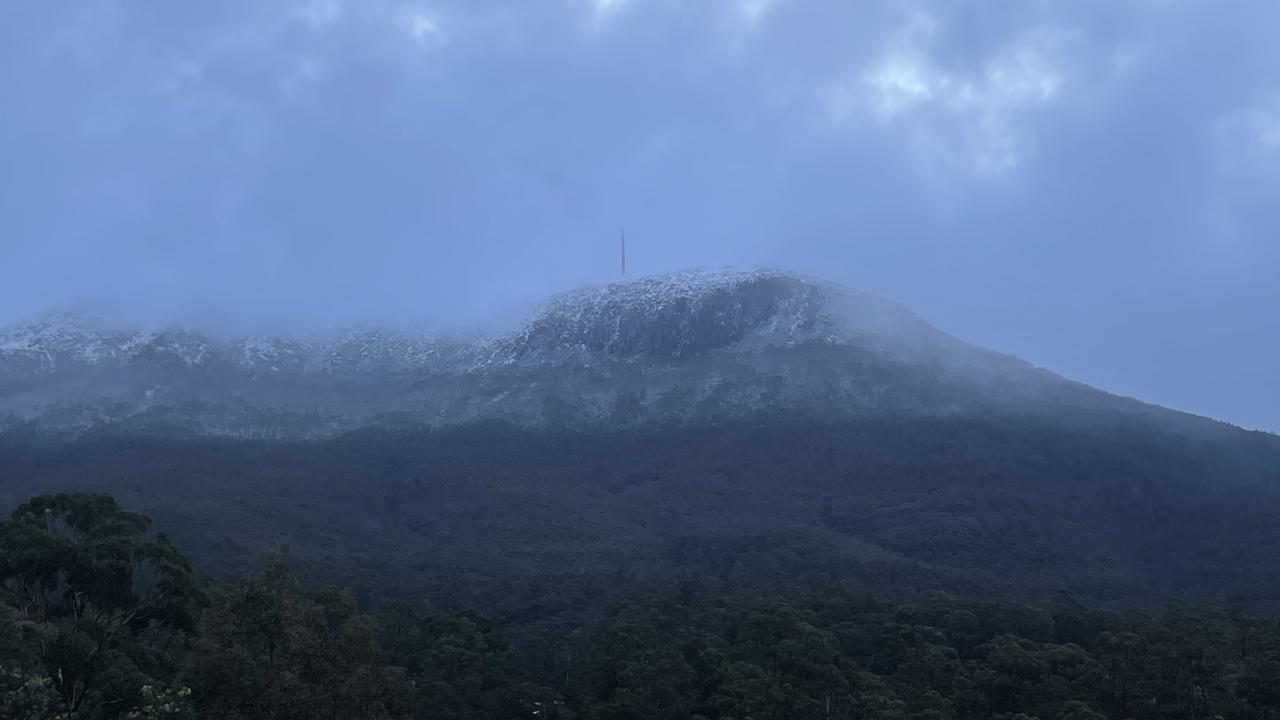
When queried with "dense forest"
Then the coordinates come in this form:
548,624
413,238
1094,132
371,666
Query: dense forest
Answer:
964,567
1113,509
104,618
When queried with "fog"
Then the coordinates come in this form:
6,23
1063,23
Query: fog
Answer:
1093,186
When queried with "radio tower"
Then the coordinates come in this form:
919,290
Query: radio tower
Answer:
622,233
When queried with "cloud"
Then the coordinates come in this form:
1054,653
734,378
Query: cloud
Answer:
320,15
1248,138
753,12
422,25
979,111
1044,177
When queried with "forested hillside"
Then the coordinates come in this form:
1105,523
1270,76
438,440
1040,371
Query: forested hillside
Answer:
102,618
727,496
1116,513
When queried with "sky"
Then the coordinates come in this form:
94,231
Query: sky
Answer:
1093,185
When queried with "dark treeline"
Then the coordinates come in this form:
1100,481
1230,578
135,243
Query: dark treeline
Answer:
1115,512
103,618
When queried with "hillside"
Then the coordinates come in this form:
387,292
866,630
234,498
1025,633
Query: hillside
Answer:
690,347
745,428
1020,505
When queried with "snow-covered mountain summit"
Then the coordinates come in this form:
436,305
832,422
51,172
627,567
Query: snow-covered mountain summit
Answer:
692,313
663,316
701,344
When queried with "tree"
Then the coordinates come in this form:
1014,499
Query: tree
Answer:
96,596
269,650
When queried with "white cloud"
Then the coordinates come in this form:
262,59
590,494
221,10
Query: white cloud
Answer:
185,75
604,7
754,11
422,25
951,111
1267,128
1021,77
898,85
1248,139
320,14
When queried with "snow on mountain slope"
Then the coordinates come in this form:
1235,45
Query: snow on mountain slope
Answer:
668,316
673,316
65,336
685,345
693,313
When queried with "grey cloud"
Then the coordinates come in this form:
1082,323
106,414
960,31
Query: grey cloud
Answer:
1091,185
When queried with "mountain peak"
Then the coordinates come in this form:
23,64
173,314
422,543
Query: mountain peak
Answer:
694,344
692,312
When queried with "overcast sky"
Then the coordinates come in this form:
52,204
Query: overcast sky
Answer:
1094,186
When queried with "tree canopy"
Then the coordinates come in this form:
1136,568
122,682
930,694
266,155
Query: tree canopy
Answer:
103,619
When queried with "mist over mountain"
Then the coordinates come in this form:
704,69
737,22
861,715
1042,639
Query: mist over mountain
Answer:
313,403
698,346
671,443
698,405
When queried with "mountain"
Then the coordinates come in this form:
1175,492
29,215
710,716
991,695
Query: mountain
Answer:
743,428
686,347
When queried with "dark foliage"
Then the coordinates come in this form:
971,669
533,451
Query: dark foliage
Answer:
1113,511
92,599
882,568
265,647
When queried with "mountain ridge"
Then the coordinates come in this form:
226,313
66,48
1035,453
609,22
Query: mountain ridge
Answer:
693,346
753,427
790,307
